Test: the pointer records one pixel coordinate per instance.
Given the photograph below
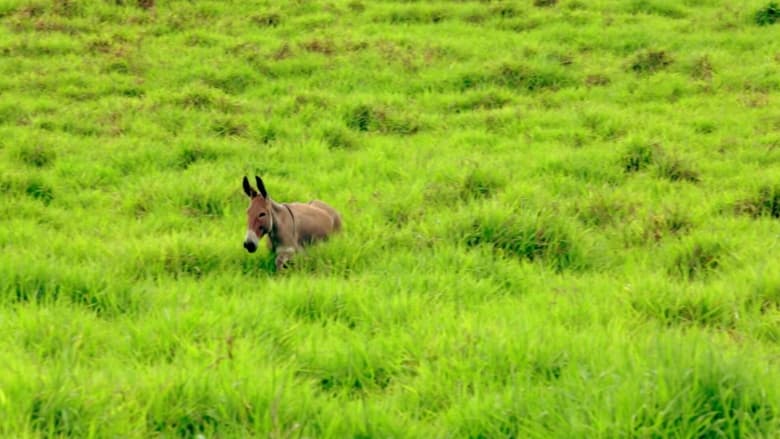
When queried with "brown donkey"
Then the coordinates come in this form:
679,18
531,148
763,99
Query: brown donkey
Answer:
289,226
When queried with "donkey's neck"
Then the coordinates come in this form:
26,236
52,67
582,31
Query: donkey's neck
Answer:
281,225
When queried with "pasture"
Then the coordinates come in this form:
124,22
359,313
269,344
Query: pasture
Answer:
561,218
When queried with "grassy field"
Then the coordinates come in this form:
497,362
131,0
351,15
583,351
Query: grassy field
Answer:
562,219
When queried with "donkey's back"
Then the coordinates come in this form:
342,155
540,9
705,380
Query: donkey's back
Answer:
331,211
315,220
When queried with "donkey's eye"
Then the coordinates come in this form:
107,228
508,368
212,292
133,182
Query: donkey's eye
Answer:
262,214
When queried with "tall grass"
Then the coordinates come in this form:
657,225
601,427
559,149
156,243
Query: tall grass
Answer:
561,219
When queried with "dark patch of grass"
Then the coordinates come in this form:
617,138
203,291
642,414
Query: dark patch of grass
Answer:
681,308
541,239
338,138
402,54
516,77
767,15
651,61
266,133
597,80
445,192
203,97
416,16
310,102
356,382
229,127
184,417
380,119
504,10
765,296
677,169
232,82
117,66
705,127
100,45
319,45
255,266
765,204
315,306
603,212
639,156
67,8
268,19
38,156
200,40
144,4
480,101
652,7
283,52
359,118
702,68
356,6
198,99
402,213
355,374
697,260
58,414
733,402
46,284
31,10
524,78
480,184
40,191
545,3
551,368
670,222
696,312
606,126
520,24
192,154
475,18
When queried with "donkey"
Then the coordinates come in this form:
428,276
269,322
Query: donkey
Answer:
289,226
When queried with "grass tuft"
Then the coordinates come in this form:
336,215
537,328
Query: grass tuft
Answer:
663,8
522,255
268,19
677,169
697,260
640,155
480,183
702,68
337,137
669,222
381,119
536,239
651,61
193,154
767,15
765,203
39,190
38,156
231,127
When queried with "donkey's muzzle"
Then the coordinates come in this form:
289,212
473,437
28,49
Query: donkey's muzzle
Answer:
250,246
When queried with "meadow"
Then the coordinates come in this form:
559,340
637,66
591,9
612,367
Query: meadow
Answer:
561,218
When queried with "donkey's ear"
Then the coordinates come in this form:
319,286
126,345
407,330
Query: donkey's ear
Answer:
249,190
261,187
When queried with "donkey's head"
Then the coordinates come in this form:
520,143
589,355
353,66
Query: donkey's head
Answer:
259,220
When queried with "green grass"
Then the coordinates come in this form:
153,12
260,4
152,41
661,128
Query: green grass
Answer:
562,219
